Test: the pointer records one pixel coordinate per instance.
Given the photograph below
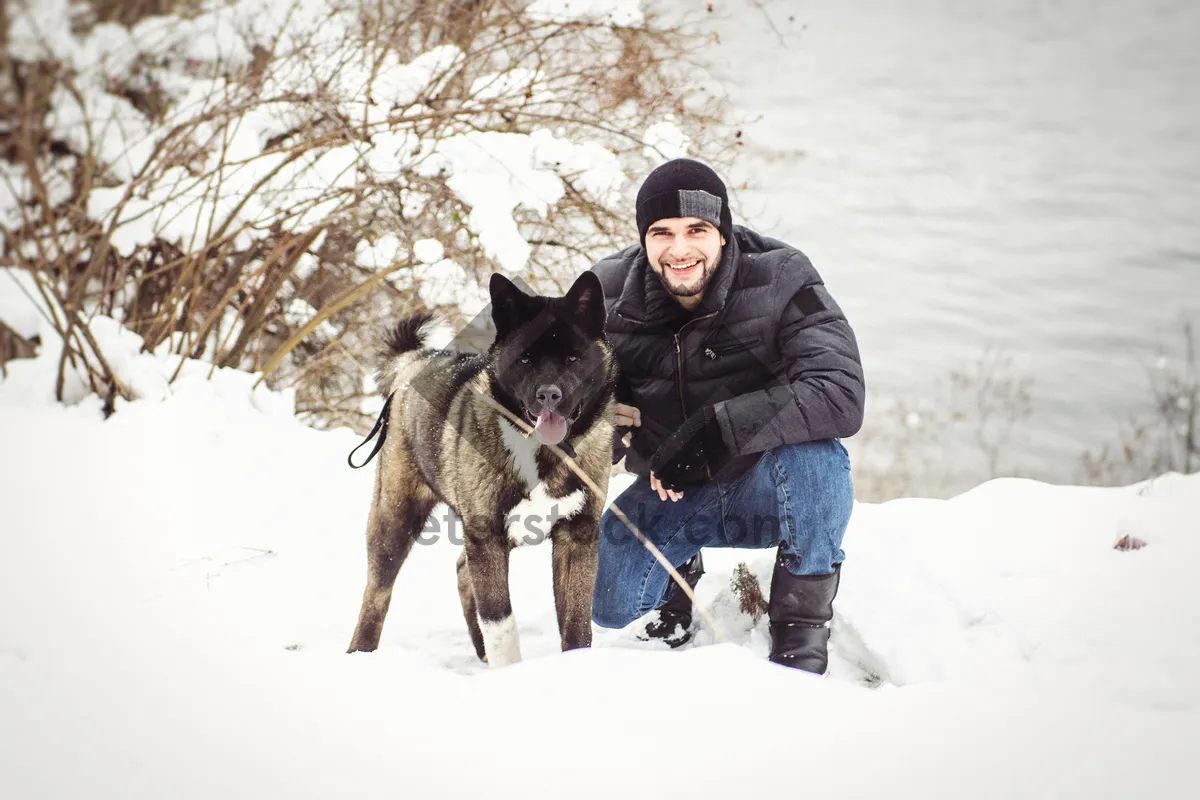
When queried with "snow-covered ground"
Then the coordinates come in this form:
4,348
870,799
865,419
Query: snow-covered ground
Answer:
178,585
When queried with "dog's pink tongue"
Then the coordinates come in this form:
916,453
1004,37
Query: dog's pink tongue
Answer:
550,428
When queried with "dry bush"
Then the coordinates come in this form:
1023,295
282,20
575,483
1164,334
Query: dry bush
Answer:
992,401
13,346
749,593
129,12
983,405
251,194
979,407
1165,438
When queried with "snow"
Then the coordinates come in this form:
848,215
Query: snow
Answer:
612,12
299,312
495,173
178,585
445,283
109,126
16,189
665,141
383,253
428,251
502,84
20,302
319,50
38,27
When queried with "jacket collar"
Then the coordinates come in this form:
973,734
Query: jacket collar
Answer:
644,299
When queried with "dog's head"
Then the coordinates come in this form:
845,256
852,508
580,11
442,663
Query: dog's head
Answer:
549,358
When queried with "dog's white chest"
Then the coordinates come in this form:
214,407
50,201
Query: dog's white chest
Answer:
522,450
531,519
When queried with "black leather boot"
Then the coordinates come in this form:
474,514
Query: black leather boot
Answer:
799,609
674,623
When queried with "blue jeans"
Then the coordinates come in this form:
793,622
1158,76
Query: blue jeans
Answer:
797,496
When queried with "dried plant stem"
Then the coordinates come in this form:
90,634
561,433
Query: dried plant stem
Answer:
325,313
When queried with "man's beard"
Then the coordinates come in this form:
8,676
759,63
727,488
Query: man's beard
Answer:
697,285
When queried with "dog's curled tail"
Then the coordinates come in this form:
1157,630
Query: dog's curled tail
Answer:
422,330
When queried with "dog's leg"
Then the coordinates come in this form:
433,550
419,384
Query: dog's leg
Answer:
576,557
395,521
487,566
470,612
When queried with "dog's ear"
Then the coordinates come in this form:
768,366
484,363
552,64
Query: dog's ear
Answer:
510,306
585,304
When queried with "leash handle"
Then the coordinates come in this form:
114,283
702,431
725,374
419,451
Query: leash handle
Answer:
381,426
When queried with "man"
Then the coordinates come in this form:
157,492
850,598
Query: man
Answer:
739,373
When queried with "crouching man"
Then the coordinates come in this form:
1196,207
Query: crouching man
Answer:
739,375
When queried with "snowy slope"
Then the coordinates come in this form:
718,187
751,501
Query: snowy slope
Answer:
178,585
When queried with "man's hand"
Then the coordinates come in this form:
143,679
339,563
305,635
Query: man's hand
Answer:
693,454
627,416
624,417
664,493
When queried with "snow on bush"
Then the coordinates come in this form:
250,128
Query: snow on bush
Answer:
248,182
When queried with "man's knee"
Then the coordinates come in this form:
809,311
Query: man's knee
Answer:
822,466
611,612
614,600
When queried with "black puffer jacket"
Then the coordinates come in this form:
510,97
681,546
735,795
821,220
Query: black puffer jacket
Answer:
767,347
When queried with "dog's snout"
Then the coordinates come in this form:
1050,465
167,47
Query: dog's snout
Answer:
549,395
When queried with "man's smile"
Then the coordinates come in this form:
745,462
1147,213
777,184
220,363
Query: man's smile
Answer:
684,266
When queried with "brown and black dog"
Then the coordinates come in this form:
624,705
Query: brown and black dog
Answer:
444,441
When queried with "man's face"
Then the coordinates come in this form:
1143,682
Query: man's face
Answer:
684,251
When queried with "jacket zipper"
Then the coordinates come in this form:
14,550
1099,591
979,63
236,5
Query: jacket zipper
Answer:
679,375
679,372
734,347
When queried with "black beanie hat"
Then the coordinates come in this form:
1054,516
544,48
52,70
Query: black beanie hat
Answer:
683,188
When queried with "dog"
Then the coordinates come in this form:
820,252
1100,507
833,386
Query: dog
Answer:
443,440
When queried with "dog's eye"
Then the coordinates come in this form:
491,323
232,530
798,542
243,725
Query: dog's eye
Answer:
525,360
572,359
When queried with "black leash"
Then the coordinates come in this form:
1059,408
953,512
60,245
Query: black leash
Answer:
381,426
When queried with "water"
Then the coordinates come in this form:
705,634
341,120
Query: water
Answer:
1021,175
